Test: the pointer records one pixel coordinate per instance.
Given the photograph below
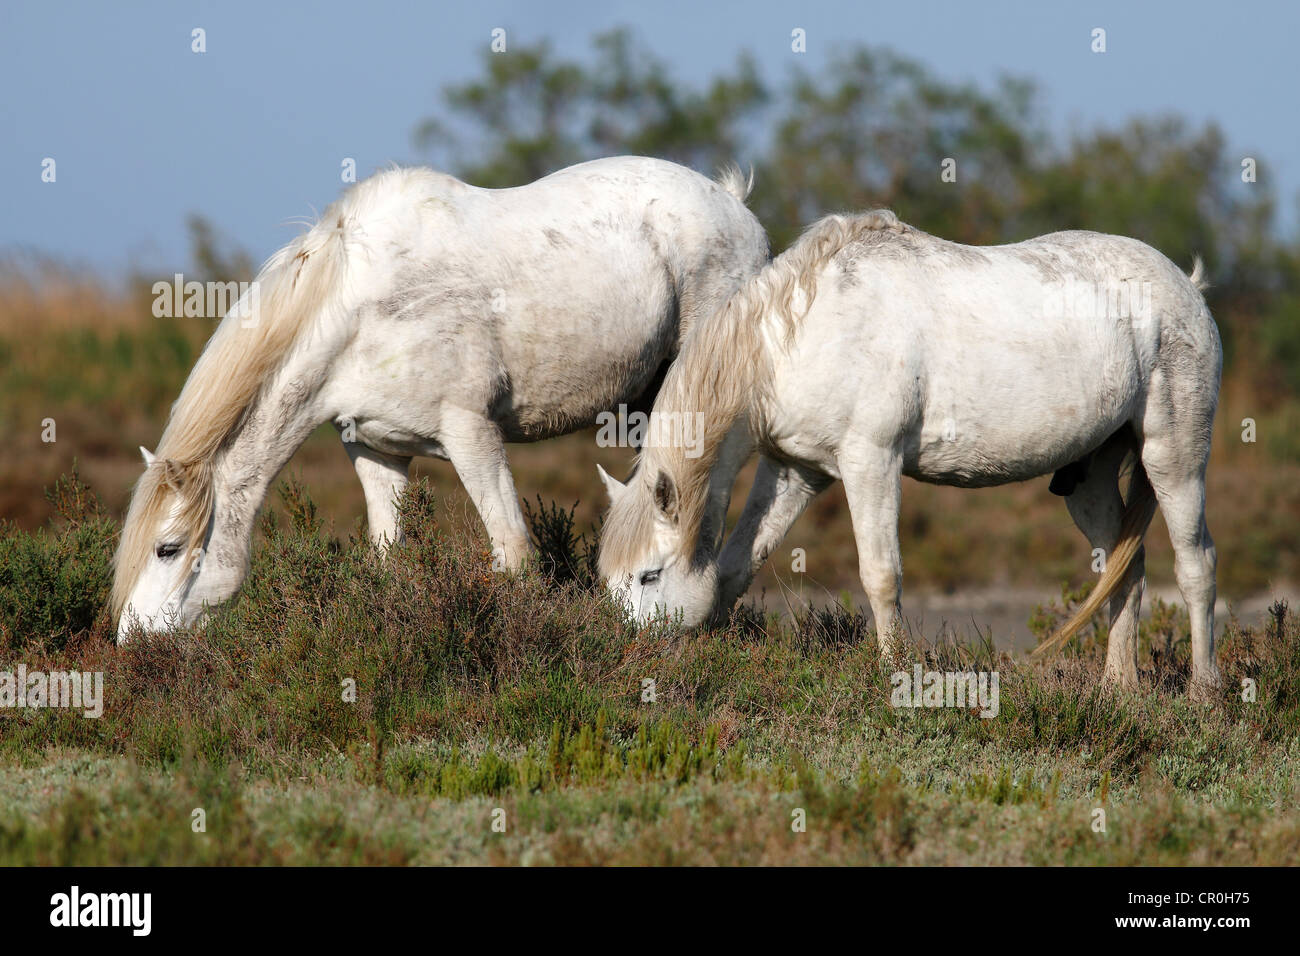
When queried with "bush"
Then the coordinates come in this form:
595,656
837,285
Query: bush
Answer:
55,583
563,554
419,681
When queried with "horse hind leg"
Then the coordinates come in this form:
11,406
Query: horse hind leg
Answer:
383,479
872,483
1097,507
1175,452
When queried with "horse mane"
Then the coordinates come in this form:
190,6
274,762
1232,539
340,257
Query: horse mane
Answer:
723,366
238,361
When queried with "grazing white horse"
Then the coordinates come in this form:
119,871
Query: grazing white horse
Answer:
424,316
872,350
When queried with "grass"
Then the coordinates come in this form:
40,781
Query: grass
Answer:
350,707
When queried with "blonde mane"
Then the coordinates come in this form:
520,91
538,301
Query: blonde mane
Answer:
723,365
237,362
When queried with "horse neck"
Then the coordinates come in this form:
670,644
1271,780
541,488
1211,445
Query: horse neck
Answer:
274,428
717,374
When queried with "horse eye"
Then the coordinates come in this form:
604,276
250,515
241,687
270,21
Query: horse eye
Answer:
650,577
165,551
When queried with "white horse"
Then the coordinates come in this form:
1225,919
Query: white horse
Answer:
871,350
424,316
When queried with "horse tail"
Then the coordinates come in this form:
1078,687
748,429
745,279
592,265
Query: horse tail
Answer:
736,182
1138,512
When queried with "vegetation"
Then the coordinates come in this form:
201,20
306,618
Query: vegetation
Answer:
351,707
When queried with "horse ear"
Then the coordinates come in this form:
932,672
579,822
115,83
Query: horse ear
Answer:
148,456
173,474
666,495
613,487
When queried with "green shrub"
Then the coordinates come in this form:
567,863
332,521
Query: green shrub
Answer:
55,583
563,554
418,675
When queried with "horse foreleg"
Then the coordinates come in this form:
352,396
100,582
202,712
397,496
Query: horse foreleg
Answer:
383,479
733,452
777,498
872,479
474,446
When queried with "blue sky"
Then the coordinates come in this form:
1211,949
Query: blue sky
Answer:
250,134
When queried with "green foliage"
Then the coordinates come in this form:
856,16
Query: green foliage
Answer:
533,113
564,554
1008,788
872,132
84,369
473,686
590,757
54,584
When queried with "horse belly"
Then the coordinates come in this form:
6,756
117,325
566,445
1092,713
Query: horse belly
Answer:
571,356
1021,420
